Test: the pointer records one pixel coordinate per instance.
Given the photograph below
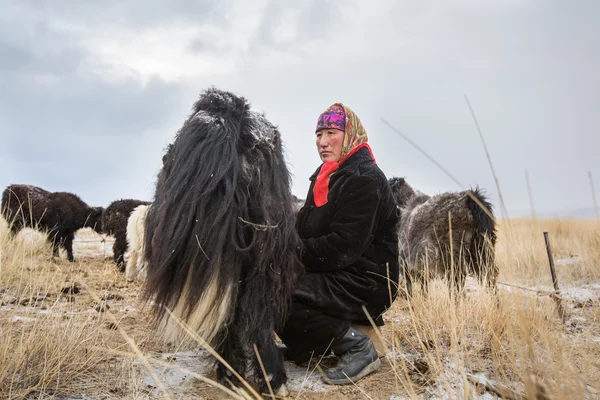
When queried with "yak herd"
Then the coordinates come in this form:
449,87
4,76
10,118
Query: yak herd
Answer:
429,227
216,248
61,214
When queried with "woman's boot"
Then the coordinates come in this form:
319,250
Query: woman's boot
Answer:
358,358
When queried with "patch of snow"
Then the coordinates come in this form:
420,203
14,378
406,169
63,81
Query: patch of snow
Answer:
48,312
304,379
400,319
454,378
195,361
577,320
568,261
574,292
18,318
200,362
582,293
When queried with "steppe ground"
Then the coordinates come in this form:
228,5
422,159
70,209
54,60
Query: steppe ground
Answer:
77,330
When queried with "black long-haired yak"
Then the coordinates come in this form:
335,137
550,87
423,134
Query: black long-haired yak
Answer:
221,248
424,236
60,214
114,222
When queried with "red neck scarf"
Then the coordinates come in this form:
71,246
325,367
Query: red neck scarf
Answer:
321,188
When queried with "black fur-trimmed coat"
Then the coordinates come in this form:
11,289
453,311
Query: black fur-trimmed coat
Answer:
348,242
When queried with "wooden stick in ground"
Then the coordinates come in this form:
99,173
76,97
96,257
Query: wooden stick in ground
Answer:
594,194
556,297
529,192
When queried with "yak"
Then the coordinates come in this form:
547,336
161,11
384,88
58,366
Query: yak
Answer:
114,222
136,264
220,243
60,214
430,249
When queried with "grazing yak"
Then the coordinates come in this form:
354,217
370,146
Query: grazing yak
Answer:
220,242
114,222
136,264
424,236
61,214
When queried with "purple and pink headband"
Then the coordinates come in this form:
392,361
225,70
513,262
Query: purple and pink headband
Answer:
334,117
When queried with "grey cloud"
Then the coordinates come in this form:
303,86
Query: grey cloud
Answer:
206,45
33,48
529,72
313,19
529,69
65,128
136,13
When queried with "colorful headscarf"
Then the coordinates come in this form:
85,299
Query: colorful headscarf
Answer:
338,116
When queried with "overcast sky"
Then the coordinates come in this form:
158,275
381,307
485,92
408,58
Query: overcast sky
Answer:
92,91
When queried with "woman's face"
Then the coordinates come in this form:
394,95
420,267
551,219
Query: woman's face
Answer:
329,144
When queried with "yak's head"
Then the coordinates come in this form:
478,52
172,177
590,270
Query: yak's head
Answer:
401,191
94,219
298,203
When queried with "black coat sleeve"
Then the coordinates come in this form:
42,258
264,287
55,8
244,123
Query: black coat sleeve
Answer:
351,228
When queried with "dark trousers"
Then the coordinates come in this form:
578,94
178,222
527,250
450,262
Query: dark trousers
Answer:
310,332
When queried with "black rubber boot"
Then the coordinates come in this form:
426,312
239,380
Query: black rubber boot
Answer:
358,358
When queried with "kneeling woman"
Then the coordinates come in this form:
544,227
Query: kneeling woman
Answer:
350,252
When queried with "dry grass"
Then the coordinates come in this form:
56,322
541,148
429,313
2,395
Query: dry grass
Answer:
58,343
522,251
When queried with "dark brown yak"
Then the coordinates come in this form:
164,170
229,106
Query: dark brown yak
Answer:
61,214
114,222
425,236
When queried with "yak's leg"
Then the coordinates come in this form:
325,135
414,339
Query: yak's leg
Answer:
424,281
231,351
421,275
409,284
119,249
272,360
141,266
258,330
408,280
487,272
403,260
131,269
492,276
55,239
457,278
68,245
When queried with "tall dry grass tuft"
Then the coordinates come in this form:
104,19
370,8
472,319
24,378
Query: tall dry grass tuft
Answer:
515,340
26,266
48,345
50,355
522,256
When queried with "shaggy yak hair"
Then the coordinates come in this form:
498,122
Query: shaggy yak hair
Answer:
136,264
60,214
221,247
114,222
424,236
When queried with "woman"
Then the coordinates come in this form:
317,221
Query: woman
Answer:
350,252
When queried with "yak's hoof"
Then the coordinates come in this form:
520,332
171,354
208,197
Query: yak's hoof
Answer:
282,391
